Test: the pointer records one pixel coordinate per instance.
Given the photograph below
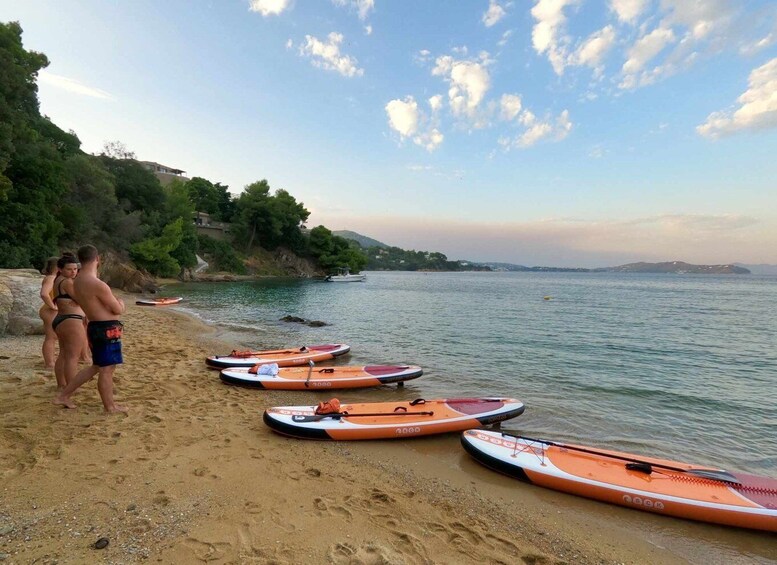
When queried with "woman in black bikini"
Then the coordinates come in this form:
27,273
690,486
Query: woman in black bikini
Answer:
69,322
48,311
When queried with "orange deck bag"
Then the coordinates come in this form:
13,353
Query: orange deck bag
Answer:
328,407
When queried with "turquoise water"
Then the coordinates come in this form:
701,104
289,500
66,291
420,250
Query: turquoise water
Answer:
679,366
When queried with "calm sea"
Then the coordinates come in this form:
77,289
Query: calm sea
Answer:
680,366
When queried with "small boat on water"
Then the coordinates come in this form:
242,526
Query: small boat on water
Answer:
643,483
344,275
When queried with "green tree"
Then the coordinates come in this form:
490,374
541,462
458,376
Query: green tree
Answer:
32,155
333,252
154,254
137,190
253,216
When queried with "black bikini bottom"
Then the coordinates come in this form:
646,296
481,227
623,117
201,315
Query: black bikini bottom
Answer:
59,318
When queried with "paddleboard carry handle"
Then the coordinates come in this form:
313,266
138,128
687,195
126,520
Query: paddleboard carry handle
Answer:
417,401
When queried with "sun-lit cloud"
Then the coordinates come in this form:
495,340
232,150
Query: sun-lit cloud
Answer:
757,106
549,32
509,106
269,7
642,52
368,30
469,81
407,119
71,85
628,10
534,129
326,55
593,50
494,13
361,7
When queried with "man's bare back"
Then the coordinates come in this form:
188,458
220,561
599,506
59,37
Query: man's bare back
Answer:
95,298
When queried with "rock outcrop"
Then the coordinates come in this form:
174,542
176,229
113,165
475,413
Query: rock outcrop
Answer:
119,274
20,301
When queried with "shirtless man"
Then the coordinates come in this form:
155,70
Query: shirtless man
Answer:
102,309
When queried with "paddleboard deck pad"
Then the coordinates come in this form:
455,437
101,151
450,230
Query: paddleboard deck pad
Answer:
322,378
283,357
388,420
655,485
158,301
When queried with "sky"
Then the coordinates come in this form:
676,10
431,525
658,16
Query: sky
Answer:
539,132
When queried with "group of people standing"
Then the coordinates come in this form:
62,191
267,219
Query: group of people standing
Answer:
81,313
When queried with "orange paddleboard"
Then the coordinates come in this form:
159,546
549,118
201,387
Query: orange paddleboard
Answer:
645,483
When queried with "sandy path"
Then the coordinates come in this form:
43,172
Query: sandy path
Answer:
192,474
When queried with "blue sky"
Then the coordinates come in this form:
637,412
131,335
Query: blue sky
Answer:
553,132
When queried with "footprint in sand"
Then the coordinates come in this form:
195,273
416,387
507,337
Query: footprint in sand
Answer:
324,507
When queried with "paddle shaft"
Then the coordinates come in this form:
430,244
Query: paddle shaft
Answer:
628,459
338,415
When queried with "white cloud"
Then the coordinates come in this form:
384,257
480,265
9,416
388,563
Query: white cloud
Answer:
269,7
505,36
701,17
757,110
435,103
406,118
642,52
549,33
510,106
628,10
362,7
469,81
538,130
594,48
368,30
289,44
326,55
71,85
754,47
494,13
403,116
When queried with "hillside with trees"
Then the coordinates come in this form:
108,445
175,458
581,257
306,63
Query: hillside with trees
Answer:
54,196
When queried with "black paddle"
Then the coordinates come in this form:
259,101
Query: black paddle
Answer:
643,466
338,415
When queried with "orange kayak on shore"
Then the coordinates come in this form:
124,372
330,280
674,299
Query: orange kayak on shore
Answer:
386,420
644,483
282,357
321,378
158,301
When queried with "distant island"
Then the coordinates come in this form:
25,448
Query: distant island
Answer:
383,257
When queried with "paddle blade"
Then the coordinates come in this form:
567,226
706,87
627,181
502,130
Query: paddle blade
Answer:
714,475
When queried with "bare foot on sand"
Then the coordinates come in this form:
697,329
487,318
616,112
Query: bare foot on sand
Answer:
116,409
66,402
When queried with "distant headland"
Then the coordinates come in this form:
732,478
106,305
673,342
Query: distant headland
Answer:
383,257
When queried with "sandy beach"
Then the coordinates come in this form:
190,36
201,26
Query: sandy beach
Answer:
193,475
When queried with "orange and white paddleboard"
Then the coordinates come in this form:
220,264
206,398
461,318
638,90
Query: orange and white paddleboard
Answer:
158,301
321,378
387,420
283,357
645,483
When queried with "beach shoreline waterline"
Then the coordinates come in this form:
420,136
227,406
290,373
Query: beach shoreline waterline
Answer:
192,474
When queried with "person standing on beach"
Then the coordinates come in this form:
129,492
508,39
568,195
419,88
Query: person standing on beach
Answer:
48,311
68,324
104,332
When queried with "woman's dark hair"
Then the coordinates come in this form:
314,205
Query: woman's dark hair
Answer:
66,259
50,267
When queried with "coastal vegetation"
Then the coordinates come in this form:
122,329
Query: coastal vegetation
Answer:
54,196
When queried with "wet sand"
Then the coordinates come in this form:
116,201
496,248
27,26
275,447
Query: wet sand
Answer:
193,475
